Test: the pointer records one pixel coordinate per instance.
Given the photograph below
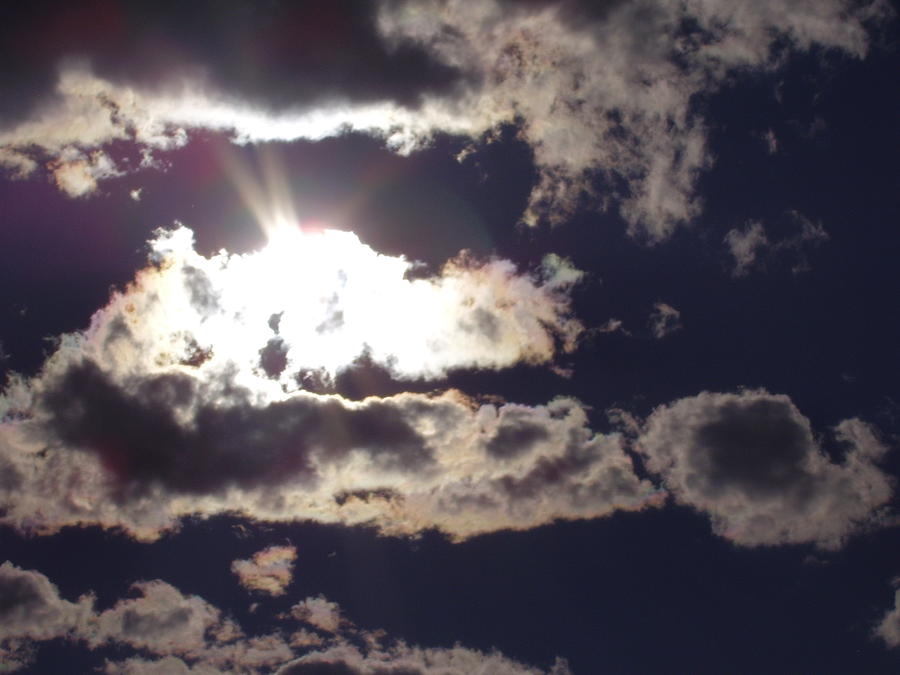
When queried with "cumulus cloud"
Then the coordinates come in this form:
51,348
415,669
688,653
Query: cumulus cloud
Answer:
750,461
169,632
320,300
602,92
664,319
32,610
268,571
888,629
163,409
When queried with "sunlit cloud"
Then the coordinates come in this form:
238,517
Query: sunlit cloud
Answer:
184,397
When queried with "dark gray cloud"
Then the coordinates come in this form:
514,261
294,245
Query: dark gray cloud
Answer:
751,462
134,430
278,53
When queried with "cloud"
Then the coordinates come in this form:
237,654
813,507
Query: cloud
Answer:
162,409
169,632
268,571
76,174
603,94
320,613
744,246
664,319
751,247
32,610
751,463
404,660
122,457
888,629
351,301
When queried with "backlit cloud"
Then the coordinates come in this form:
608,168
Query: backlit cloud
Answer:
268,571
169,632
603,93
172,403
750,461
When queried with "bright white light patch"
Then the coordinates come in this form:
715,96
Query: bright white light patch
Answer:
318,299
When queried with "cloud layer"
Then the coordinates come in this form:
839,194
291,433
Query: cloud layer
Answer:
174,403
605,94
169,632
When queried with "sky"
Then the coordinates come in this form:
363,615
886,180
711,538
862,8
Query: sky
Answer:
437,337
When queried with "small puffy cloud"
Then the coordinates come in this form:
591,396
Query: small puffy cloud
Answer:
318,612
76,174
751,463
744,245
664,319
268,571
888,629
136,194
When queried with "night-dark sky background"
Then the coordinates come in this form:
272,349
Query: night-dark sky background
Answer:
449,337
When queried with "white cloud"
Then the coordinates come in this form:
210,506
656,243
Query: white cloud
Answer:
750,461
268,571
76,174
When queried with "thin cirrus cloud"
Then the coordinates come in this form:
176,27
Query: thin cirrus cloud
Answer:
593,95
165,631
